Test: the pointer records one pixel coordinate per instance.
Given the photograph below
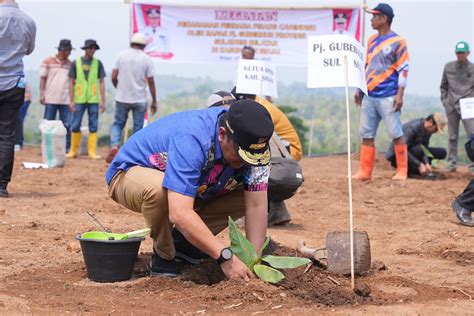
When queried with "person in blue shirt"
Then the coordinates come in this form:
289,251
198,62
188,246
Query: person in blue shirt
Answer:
192,170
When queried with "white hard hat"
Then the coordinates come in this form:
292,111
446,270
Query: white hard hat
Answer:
139,39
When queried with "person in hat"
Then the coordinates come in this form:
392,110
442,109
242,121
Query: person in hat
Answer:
192,170
54,86
463,204
132,71
417,133
285,143
340,23
17,39
86,93
457,84
157,36
386,73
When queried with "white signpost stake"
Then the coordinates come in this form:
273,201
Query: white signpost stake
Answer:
337,61
349,170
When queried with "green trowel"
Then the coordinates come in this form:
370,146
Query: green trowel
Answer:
102,235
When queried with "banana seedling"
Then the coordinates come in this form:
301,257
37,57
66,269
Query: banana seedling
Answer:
265,267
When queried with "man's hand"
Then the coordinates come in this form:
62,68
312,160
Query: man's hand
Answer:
428,166
398,103
154,107
236,269
43,99
424,169
102,107
72,107
357,98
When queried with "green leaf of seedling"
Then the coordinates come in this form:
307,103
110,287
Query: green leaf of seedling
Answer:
268,274
285,262
427,152
240,246
265,244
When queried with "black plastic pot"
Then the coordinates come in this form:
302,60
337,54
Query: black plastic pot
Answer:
109,260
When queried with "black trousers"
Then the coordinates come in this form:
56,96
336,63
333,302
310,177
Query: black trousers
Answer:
466,198
10,104
417,151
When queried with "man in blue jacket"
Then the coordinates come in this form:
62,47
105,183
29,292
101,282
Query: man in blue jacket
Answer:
192,170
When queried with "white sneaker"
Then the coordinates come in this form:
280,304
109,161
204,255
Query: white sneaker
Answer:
17,147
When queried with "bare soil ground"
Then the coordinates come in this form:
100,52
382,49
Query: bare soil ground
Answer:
429,257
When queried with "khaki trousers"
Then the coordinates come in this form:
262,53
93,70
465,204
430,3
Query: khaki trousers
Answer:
141,190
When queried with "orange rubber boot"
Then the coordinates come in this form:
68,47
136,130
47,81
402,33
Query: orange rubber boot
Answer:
366,163
401,155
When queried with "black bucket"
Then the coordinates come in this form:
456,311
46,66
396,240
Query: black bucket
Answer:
109,260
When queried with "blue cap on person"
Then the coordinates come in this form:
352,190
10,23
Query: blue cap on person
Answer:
382,8
462,47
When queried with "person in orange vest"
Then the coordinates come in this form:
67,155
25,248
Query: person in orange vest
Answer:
87,93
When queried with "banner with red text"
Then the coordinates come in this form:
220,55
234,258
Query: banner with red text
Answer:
210,35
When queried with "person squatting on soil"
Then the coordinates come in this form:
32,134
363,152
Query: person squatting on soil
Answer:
278,213
130,75
457,83
192,170
417,133
54,87
387,71
18,34
463,204
87,93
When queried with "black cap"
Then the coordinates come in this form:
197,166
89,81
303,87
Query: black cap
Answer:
340,15
382,8
90,43
242,96
153,11
64,44
251,127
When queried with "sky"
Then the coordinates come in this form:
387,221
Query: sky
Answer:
431,29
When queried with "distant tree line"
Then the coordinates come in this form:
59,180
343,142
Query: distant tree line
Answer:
323,109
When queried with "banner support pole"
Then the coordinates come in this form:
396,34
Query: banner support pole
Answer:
349,170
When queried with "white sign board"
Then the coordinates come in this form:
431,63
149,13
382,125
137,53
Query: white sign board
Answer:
191,34
467,108
326,62
256,77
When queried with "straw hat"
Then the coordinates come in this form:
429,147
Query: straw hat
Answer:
440,121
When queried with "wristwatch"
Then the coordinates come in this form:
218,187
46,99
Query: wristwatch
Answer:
226,255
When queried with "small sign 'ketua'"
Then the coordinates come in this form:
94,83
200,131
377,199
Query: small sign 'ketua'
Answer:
326,62
256,77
